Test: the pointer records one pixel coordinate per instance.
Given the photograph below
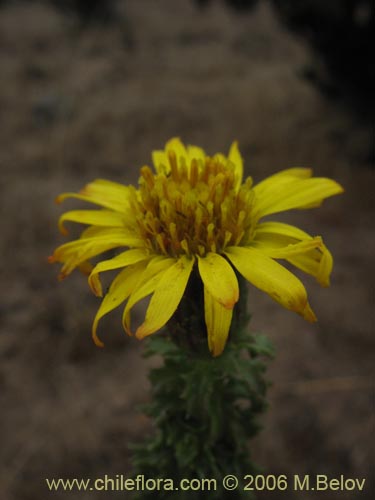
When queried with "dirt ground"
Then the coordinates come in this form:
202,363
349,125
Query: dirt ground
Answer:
77,104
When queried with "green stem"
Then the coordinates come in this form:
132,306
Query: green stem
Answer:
204,409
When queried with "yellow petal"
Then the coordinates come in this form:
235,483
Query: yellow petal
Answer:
196,153
236,158
103,232
106,218
166,297
94,235
161,162
317,262
272,278
146,285
124,259
218,321
219,279
179,149
282,229
174,148
286,176
220,158
108,194
75,252
292,249
86,267
299,193
119,291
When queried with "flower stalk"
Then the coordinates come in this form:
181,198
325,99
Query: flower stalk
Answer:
204,410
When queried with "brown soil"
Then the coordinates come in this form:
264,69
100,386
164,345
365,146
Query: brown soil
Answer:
80,104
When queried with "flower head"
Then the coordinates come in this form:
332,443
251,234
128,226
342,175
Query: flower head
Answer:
194,210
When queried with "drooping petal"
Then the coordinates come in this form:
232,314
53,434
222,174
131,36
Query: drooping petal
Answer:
272,278
317,262
119,291
219,279
146,285
236,158
108,194
218,320
300,193
94,234
75,252
290,250
86,267
166,297
103,232
106,218
124,259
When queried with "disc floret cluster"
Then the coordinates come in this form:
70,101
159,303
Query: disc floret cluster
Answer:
193,208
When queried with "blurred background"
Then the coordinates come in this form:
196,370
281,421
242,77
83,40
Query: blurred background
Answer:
88,89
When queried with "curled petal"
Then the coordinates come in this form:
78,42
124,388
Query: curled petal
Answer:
108,194
218,320
317,261
219,279
166,297
148,281
74,253
293,249
272,278
119,291
106,218
124,259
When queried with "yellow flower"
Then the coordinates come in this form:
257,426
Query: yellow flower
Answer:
194,210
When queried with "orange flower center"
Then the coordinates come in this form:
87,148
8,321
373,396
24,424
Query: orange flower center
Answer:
194,209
